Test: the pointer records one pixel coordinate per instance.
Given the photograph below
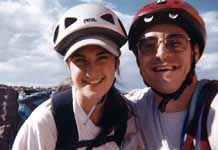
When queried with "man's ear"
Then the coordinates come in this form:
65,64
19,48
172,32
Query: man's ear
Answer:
196,53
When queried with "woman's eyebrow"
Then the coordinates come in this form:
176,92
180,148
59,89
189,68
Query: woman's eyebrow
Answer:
75,55
103,53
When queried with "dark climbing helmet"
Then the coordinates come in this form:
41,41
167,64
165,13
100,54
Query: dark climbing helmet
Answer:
176,12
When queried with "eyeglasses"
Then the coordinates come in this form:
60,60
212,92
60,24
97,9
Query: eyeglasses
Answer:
174,42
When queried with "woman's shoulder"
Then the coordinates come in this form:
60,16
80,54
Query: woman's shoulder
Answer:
38,131
41,116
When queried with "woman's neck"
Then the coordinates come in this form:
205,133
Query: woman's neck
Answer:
87,105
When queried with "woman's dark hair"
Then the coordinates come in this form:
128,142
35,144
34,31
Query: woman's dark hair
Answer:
115,116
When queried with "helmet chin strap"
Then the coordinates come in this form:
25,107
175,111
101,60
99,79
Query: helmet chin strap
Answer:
166,97
175,95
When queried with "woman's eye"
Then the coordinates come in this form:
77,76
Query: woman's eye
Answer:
79,61
103,58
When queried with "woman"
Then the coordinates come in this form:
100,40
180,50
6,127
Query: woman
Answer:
89,38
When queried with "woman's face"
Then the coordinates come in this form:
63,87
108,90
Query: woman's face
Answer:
92,70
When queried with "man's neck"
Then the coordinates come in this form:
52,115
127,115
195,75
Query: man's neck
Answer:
182,102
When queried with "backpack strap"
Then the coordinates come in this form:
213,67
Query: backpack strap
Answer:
62,109
212,90
206,96
64,120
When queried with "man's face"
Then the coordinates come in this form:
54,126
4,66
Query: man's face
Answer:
164,57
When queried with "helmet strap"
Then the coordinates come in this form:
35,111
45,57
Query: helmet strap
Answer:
166,97
175,95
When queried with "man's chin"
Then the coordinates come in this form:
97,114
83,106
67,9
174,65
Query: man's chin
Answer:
166,86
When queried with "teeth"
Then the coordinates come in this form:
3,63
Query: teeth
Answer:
94,81
165,68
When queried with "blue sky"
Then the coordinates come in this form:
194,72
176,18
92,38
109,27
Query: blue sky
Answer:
130,6
27,57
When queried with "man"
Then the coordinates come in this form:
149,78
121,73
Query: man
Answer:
177,111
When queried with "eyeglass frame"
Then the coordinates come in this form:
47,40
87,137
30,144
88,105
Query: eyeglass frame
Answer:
163,39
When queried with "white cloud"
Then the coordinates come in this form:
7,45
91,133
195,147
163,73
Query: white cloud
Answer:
95,1
129,73
26,51
103,2
211,19
207,68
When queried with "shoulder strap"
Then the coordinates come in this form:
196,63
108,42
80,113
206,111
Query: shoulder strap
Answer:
212,90
66,125
64,119
206,96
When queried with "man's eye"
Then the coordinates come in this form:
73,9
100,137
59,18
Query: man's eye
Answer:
149,42
175,43
147,45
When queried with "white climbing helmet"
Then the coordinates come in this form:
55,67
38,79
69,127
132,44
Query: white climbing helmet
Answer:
88,20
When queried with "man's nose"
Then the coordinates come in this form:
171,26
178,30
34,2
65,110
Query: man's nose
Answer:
162,51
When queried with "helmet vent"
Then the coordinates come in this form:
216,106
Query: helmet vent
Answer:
56,34
108,17
69,21
121,25
161,1
148,18
173,16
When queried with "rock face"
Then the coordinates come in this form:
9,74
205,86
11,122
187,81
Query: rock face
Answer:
16,104
9,117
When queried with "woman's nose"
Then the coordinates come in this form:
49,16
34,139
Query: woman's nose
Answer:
91,70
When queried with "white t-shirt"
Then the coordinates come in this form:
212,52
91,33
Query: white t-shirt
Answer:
163,130
39,131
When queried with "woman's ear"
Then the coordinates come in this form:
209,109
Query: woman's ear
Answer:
117,63
67,62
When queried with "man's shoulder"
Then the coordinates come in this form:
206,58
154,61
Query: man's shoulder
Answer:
136,94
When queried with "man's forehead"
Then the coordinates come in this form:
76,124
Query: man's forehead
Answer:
164,28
